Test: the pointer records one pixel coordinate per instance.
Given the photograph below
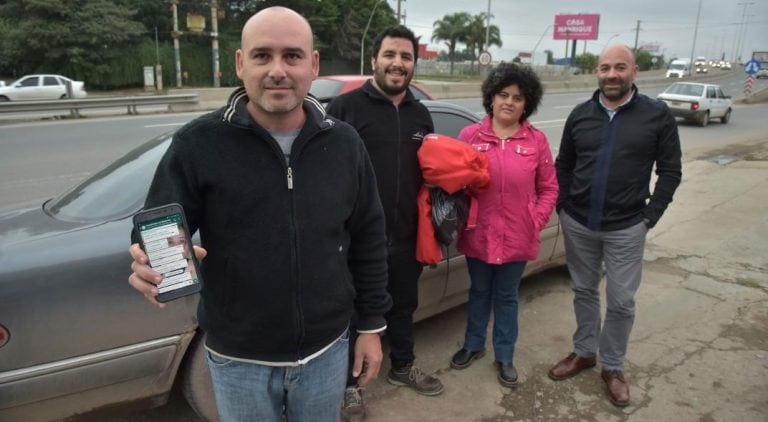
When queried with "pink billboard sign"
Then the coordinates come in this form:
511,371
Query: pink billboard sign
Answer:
576,27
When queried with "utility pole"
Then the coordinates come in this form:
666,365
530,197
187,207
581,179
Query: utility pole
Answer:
637,35
399,15
693,47
488,25
737,52
215,44
176,34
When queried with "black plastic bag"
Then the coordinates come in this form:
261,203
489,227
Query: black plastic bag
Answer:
449,214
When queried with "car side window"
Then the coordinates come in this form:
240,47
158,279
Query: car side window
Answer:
711,92
50,80
448,123
417,93
720,93
29,82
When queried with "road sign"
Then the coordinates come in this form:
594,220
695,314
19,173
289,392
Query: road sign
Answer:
484,58
751,67
748,85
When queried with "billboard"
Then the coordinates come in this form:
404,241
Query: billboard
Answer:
582,26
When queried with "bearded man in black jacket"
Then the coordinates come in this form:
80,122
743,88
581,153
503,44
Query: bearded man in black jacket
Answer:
392,124
609,147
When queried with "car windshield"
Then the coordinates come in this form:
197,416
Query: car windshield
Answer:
677,66
686,89
325,89
115,192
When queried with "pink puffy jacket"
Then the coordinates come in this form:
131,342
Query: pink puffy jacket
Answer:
517,204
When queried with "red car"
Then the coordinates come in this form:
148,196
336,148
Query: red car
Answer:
326,88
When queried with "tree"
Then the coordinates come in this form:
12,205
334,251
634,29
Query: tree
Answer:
475,36
74,37
643,59
587,62
451,29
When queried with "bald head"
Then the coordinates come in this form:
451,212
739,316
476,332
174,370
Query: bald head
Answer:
277,65
618,51
280,15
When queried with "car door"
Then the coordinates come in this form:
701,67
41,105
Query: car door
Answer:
52,88
715,104
26,88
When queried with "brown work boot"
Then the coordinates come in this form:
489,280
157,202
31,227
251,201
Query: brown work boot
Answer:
618,388
353,409
570,366
411,376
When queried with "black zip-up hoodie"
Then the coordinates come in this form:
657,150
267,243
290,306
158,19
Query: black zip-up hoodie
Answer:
604,165
392,135
293,249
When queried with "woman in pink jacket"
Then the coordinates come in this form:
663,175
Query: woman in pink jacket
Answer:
511,213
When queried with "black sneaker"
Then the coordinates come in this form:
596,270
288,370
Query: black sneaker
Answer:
353,409
507,374
463,358
413,377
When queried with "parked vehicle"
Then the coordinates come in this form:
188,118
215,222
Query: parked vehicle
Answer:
679,68
762,73
697,102
325,88
75,337
41,87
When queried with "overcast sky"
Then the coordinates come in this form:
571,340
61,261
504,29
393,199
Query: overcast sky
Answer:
670,23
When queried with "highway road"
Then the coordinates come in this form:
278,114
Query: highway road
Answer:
40,159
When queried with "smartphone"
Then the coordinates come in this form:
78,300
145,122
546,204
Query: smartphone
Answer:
164,237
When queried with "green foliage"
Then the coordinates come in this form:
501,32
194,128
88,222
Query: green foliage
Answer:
643,60
451,29
106,43
586,62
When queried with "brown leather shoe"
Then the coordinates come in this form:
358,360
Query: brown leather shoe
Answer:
570,366
618,388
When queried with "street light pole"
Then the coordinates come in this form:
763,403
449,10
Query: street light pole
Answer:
693,47
737,50
362,39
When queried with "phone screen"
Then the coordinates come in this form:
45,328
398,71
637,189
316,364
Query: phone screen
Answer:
170,254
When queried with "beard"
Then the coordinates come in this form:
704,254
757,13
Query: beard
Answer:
615,93
380,76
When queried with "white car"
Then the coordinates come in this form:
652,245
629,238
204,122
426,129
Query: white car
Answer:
697,102
41,87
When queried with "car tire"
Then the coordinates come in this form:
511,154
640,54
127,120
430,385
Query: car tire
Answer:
196,381
704,119
3,98
726,117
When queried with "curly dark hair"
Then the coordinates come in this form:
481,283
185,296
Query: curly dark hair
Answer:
507,74
398,31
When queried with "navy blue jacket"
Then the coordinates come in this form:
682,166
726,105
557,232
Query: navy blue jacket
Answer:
604,166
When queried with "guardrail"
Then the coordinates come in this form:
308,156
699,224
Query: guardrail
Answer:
76,105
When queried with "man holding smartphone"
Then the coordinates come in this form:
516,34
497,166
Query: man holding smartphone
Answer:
286,203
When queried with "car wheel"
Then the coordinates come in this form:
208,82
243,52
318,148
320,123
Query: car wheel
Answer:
196,382
704,119
726,117
4,98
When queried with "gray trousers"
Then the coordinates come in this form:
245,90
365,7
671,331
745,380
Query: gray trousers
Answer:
622,253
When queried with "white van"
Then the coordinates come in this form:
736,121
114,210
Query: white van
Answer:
679,68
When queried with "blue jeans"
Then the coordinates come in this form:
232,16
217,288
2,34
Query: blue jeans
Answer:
251,392
497,286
